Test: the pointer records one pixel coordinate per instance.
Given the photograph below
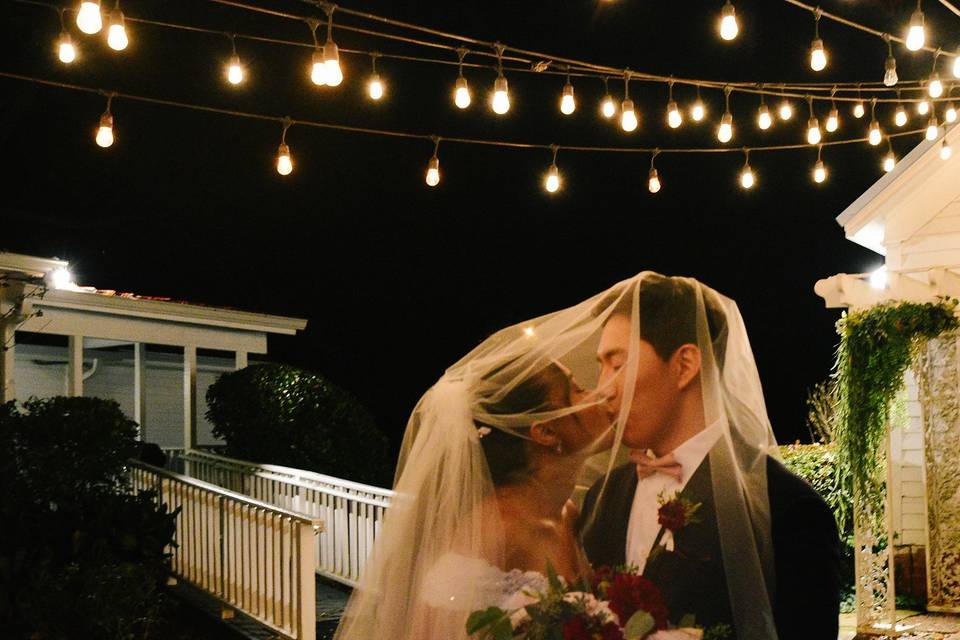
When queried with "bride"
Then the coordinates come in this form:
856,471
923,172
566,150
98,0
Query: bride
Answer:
497,453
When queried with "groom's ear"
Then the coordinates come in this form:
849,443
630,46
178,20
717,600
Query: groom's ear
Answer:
686,364
542,433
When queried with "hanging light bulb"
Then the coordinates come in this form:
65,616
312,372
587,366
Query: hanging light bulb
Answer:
874,136
374,84
433,167
933,127
833,120
318,70
950,114
725,130
65,49
607,107
628,117
501,96
234,68
552,180
567,104
900,119
728,22
819,172
813,131
890,67
747,178
945,150
674,117
117,33
764,119
331,53
818,55
105,130
284,159
89,19
923,107
859,110
699,111
889,160
935,86
461,93
916,34
785,110
653,178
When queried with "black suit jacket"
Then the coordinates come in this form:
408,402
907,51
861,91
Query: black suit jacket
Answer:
806,591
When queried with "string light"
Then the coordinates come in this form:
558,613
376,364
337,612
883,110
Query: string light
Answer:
916,34
875,136
674,117
607,106
628,117
889,160
818,55
653,179
318,70
284,159
89,19
699,111
747,178
786,110
813,125
552,180
833,118
235,72
933,127
945,150
501,95
764,119
890,68
66,51
567,103
374,84
934,85
923,107
117,33
728,22
433,167
104,135
950,113
331,54
461,92
819,169
900,117
858,108
725,130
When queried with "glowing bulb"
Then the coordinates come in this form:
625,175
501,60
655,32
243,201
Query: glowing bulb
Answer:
284,161
653,183
875,135
567,104
117,34
318,73
105,131
461,94
951,113
699,111
607,107
61,278
674,117
890,77
501,97
889,162
764,119
933,129
878,278
331,60
728,22
945,150
65,49
375,87
552,182
833,120
923,107
935,88
786,110
747,179
628,117
813,131
859,110
89,19
818,56
433,172
900,118
234,70
725,130
916,35
819,172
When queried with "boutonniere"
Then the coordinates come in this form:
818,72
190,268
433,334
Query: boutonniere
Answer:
677,512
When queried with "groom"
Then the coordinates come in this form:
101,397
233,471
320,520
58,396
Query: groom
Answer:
666,416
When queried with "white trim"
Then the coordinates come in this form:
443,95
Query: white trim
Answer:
31,265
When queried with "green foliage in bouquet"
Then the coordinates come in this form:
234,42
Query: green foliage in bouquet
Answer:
278,414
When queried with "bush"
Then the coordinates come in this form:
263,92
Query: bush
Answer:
278,414
79,557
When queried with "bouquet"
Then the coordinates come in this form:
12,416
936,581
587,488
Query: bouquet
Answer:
618,604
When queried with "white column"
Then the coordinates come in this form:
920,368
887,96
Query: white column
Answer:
189,397
8,390
140,387
241,360
75,367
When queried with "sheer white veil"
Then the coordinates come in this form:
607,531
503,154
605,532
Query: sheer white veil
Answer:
446,483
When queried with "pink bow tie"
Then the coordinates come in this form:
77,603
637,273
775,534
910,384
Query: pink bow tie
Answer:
647,465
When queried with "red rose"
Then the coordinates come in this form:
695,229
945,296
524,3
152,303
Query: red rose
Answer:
631,593
576,628
611,631
602,577
672,515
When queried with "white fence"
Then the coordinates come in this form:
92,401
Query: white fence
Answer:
255,557
352,512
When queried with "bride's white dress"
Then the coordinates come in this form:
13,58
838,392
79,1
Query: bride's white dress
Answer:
457,582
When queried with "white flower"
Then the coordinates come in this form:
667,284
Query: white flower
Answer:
519,601
593,607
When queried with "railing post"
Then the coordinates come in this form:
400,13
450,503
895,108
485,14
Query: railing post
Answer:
306,582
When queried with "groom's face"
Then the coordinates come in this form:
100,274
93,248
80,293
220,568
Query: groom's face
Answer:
654,396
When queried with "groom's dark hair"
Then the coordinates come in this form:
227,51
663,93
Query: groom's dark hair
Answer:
668,314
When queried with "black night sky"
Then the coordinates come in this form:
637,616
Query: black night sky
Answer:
399,280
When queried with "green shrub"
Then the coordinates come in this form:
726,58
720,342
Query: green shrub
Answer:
79,557
278,414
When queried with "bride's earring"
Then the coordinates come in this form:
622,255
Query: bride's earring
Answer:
559,448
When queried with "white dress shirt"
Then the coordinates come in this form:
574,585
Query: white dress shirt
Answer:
643,527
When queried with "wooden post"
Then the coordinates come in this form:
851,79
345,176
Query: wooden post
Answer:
189,397
8,389
140,387
305,590
75,366
241,360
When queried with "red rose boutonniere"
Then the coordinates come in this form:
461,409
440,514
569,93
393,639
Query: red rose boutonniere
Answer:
677,512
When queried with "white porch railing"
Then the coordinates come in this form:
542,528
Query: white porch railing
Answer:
352,512
255,557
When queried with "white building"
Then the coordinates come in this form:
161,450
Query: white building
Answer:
156,358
